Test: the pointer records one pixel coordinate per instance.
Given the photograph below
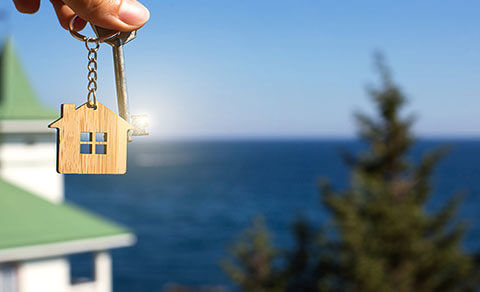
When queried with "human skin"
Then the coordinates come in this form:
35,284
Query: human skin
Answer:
121,15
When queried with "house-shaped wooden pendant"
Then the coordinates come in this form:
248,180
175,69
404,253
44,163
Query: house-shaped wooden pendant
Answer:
91,141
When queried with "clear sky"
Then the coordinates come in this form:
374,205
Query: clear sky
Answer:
271,68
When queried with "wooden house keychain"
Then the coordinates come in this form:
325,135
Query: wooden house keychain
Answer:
92,139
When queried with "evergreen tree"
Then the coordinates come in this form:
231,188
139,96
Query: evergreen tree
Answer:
388,242
383,239
253,268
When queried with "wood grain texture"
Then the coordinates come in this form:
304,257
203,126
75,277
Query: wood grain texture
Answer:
73,122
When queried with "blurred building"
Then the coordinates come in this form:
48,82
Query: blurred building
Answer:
38,230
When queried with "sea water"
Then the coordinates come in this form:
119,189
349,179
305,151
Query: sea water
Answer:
187,201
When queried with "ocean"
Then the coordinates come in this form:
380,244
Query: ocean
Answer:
187,201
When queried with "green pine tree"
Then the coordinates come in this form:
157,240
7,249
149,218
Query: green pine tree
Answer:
387,241
253,266
380,237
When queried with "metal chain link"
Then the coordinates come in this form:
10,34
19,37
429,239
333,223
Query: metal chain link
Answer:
92,72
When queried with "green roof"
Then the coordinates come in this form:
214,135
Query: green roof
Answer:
17,98
27,220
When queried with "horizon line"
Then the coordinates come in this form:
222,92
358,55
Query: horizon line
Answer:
290,138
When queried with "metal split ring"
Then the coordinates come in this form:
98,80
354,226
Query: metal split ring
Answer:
86,39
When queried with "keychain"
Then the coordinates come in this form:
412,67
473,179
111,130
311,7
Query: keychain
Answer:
92,139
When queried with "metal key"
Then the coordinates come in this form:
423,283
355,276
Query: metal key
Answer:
138,121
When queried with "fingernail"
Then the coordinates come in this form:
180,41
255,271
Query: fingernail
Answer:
133,13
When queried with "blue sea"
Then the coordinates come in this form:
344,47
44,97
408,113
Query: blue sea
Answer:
187,201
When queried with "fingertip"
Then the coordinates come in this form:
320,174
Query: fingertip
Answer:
27,6
122,15
64,13
133,13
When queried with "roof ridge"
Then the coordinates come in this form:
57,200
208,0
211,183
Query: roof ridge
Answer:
17,98
64,106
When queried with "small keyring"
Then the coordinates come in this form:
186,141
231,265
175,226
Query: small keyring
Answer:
83,38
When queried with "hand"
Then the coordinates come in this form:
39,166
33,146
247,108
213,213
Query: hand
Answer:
122,15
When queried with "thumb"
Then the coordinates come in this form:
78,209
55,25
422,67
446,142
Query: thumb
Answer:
122,15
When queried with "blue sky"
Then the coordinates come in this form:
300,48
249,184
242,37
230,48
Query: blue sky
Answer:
271,68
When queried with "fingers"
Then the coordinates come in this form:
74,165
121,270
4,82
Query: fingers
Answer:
122,15
65,14
27,6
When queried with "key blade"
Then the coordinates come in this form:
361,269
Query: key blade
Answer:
120,82
117,43
140,123
120,40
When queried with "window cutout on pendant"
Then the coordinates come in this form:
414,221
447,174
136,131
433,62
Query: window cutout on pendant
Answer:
100,149
101,137
86,137
85,149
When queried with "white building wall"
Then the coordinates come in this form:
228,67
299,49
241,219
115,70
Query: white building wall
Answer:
103,275
103,271
51,275
29,161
